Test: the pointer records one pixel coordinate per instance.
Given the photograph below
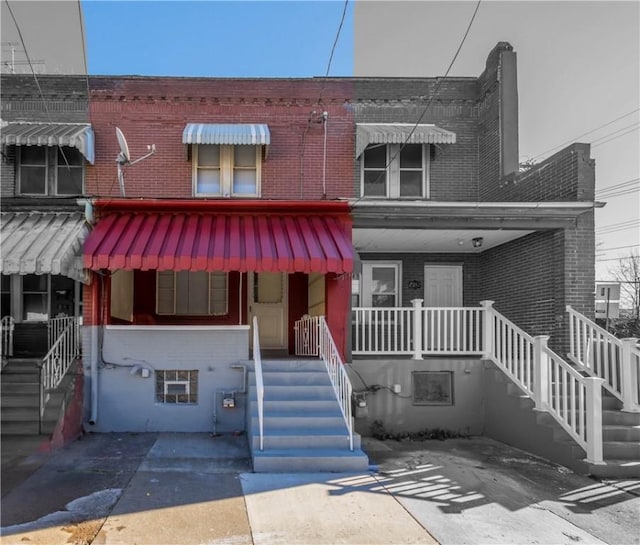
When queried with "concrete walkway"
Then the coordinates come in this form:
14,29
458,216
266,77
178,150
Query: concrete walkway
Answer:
195,489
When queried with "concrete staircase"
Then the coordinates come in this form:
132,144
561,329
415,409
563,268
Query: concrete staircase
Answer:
304,430
20,401
538,432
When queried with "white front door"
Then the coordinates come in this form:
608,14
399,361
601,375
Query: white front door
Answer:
268,302
442,286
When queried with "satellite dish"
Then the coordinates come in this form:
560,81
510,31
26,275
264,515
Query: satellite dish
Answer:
124,158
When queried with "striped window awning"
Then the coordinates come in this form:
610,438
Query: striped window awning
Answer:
75,135
226,133
399,133
43,243
220,242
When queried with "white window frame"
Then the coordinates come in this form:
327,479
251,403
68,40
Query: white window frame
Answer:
51,166
392,186
192,397
23,292
209,289
227,169
366,289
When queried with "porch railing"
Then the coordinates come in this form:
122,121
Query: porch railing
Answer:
417,331
600,354
306,336
337,373
7,325
257,360
63,352
55,327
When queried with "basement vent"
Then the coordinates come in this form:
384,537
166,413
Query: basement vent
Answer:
432,387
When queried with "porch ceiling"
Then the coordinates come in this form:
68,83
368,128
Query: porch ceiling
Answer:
431,240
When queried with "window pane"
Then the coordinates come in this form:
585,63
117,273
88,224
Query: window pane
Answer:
73,156
386,301
69,180
209,155
383,280
244,182
209,181
411,156
197,294
33,155
244,156
34,282
218,293
375,183
411,183
375,157
34,306
33,180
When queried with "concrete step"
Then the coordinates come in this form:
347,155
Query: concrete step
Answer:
296,405
20,428
302,364
307,421
619,418
310,460
621,433
19,388
13,369
25,378
296,378
20,400
621,450
324,438
19,414
616,469
292,391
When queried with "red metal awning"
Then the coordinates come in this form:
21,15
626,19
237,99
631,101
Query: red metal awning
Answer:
220,242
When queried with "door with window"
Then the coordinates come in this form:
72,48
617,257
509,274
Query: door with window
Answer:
268,302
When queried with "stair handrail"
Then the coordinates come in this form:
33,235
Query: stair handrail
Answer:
339,379
57,361
7,326
600,354
573,400
257,360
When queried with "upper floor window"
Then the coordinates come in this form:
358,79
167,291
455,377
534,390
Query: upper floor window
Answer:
50,171
395,171
225,170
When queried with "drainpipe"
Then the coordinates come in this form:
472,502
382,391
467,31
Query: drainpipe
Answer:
95,349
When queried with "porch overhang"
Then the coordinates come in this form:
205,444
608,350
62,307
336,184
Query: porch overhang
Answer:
75,135
43,243
213,236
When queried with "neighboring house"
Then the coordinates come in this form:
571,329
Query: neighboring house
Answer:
47,145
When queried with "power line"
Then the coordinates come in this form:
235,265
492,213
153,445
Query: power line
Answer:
617,193
33,72
633,125
615,137
585,134
333,49
431,99
618,185
618,248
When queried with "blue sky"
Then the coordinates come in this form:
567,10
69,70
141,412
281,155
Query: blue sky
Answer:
221,39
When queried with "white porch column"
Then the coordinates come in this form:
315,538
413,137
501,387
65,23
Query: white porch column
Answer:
417,328
594,419
540,372
629,376
487,329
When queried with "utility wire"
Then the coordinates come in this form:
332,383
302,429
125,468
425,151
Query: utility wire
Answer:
35,77
618,248
584,134
618,185
615,137
632,126
431,99
333,49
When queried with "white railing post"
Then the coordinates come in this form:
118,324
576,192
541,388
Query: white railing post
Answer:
541,372
629,376
417,329
593,430
487,329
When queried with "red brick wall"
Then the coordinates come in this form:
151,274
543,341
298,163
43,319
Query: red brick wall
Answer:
156,110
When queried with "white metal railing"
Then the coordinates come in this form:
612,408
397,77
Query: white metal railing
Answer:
7,326
307,331
55,364
257,360
55,327
599,353
417,331
339,379
573,400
